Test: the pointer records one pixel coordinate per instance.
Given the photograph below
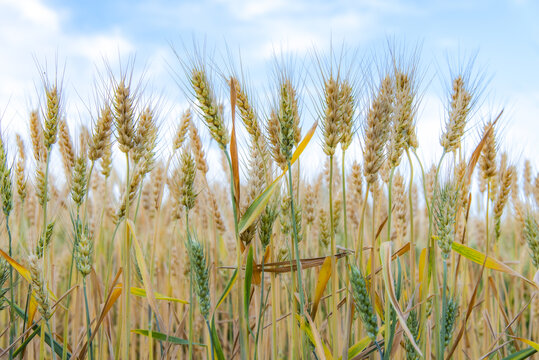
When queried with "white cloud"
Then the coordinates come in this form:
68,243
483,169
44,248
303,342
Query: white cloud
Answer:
33,32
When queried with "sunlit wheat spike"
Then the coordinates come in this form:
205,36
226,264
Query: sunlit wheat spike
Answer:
377,130
531,234
20,169
332,116
52,114
403,125
66,148
186,180
36,135
488,155
274,135
287,117
101,133
124,116
145,137
79,181
181,132
198,151
207,103
459,108
347,104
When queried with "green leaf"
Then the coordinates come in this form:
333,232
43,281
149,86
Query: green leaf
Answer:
248,278
227,290
58,348
358,347
164,337
217,349
255,209
522,354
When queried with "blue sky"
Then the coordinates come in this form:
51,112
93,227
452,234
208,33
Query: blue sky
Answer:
503,34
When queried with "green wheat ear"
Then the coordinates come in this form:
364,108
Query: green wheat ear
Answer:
445,209
448,323
413,324
199,268
363,302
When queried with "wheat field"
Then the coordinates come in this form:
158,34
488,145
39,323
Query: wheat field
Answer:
116,244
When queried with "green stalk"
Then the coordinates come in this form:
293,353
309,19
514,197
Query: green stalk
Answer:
334,280
127,272
296,251
244,331
273,310
88,322
373,248
487,298
68,300
191,297
388,334
412,239
431,255
261,310
360,235
12,323
88,191
191,317
44,252
423,311
42,341
348,317
28,294
441,350
51,338
344,204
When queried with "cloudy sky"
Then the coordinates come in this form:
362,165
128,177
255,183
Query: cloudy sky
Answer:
83,35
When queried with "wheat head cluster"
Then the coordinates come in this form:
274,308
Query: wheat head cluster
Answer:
131,250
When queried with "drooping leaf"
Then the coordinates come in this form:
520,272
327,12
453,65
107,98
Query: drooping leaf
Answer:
491,263
533,344
321,283
322,350
114,294
522,354
357,348
158,296
145,274
385,256
163,337
24,272
227,290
